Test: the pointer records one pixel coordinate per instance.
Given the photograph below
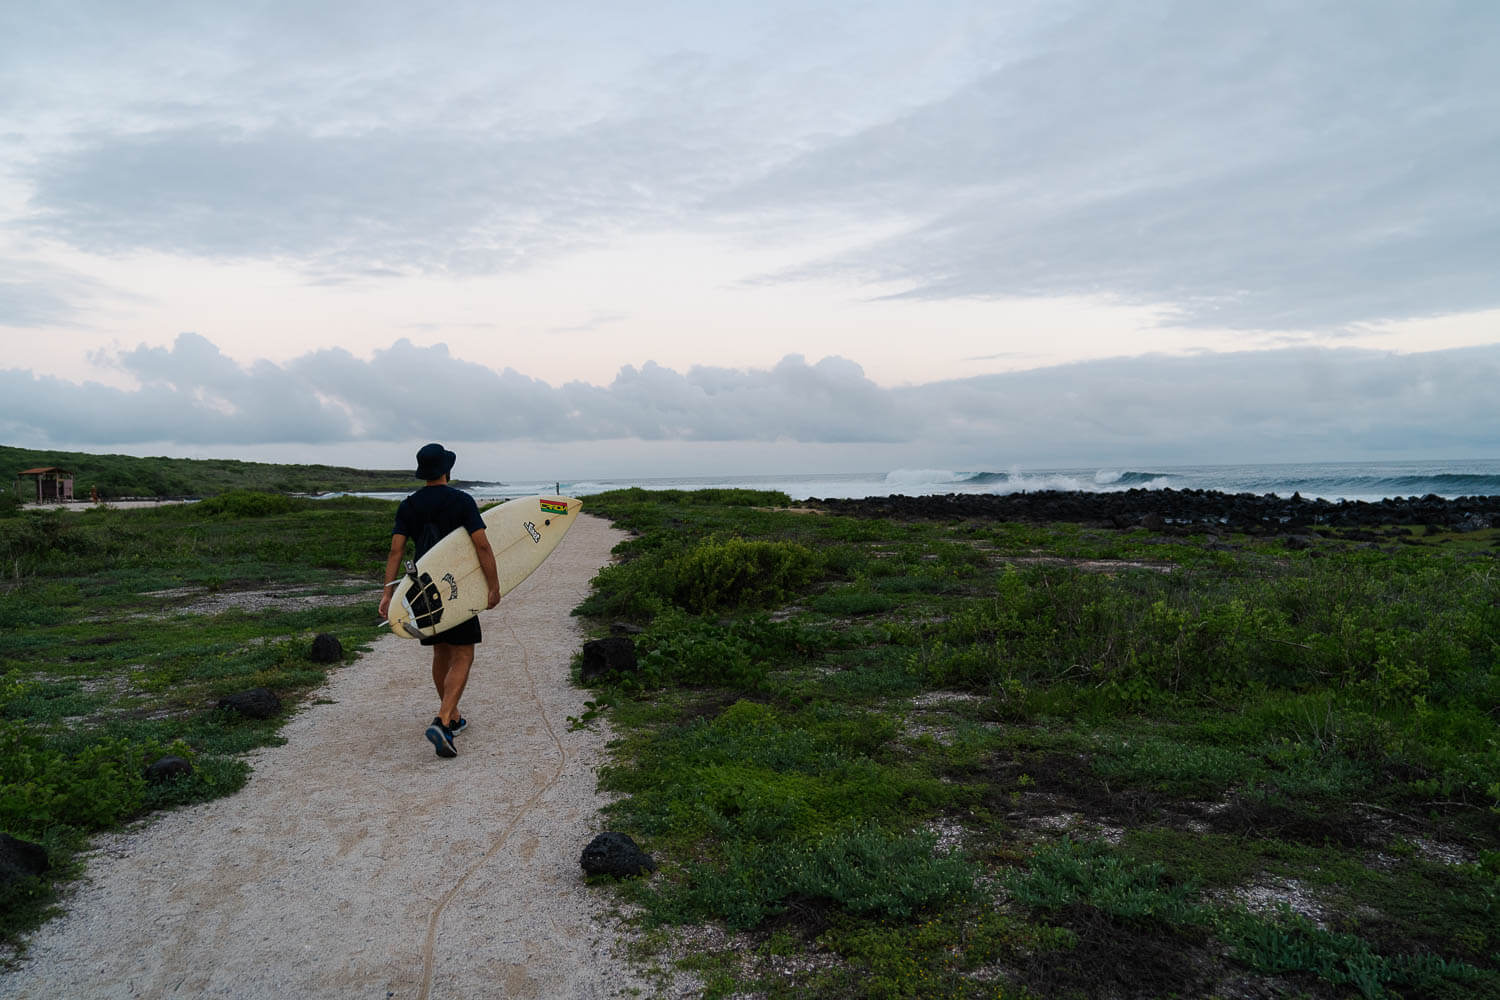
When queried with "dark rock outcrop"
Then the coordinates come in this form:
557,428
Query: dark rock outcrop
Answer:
257,703
327,648
20,859
615,854
169,768
615,654
1181,510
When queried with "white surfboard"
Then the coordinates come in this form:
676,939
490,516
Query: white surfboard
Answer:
448,587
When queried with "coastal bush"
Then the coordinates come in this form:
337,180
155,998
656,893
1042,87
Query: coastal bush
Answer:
862,870
129,476
1246,711
1412,639
37,534
1291,943
950,955
729,573
753,768
682,649
105,663
708,576
1069,872
611,502
245,503
91,789
851,602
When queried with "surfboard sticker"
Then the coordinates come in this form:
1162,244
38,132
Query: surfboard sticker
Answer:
554,507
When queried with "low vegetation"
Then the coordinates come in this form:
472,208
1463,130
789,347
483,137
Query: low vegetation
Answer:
912,759
121,629
876,758
121,476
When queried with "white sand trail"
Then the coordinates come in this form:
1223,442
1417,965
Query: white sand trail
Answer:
356,863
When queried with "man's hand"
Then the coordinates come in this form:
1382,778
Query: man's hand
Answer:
392,571
487,563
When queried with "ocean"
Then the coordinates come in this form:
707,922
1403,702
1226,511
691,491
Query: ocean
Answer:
1329,481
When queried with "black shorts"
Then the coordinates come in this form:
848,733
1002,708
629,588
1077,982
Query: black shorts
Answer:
462,634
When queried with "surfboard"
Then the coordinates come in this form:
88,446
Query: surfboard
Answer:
447,585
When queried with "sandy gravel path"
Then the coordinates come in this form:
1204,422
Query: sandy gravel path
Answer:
358,864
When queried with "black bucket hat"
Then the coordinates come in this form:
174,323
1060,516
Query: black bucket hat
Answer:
434,461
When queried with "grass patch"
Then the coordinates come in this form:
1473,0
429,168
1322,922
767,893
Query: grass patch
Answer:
106,664
985,759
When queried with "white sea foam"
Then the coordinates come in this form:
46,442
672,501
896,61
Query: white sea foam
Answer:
921,477
1332,481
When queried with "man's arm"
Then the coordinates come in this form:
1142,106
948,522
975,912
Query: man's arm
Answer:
487,563
393,570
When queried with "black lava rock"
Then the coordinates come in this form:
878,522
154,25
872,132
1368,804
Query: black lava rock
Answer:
1179,510
615,654
20,859
257,703
168,769
327,648
615,854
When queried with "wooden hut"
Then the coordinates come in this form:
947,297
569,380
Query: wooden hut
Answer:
53,485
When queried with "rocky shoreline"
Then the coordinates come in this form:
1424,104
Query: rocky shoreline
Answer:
1182,510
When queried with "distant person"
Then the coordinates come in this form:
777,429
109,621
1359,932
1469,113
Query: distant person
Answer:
425,517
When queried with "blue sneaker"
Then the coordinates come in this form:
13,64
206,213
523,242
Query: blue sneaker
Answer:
441,739
458,726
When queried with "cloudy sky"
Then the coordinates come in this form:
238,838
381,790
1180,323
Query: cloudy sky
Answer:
593,239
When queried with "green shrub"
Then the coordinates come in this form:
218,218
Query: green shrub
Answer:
630,590
679,649
683,649
733,573
246,503
852,602
1069,873
863,871
1290,942
93,789
36,534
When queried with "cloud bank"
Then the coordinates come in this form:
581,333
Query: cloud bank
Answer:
1263,165
1314,404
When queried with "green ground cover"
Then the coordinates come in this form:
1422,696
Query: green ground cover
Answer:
118,476
894,759
121,629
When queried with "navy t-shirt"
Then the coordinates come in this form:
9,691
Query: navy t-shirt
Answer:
443,507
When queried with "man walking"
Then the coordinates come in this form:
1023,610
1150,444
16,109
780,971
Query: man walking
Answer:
425,517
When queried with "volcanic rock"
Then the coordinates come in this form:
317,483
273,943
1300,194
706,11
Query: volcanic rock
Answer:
615,854
169,768
20,859
257,703
615,654
327,648
1181,511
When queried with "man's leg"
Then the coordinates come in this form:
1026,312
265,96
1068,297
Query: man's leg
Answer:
450,674
440,654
